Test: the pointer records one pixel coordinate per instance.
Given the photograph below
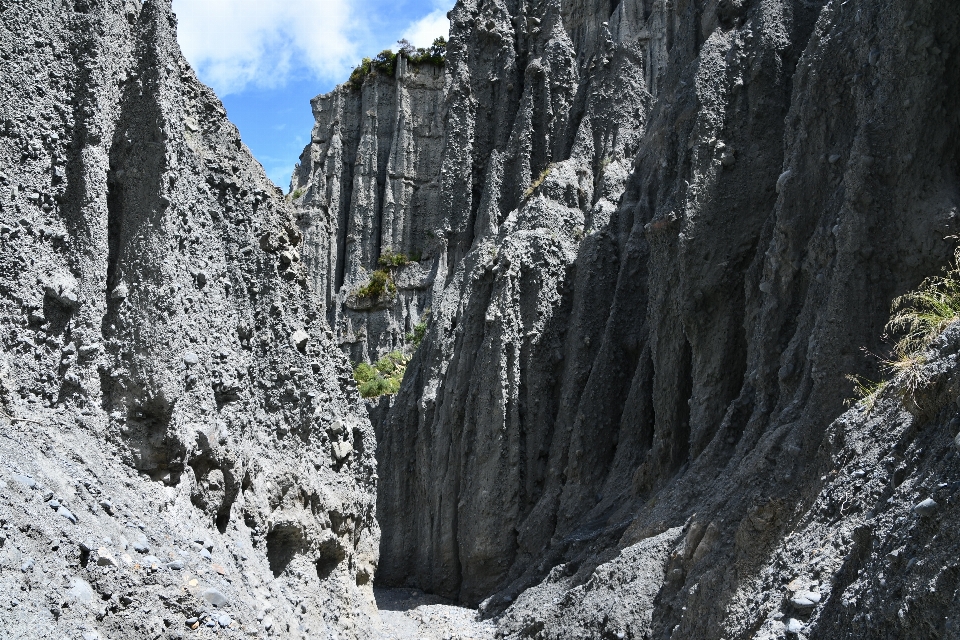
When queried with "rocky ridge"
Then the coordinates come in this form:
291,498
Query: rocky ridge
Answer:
181,444
669,229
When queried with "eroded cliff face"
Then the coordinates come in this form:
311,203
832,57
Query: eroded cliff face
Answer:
181,439
369,183
626,407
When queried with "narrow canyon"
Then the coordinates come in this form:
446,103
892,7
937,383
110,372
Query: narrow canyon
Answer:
588,324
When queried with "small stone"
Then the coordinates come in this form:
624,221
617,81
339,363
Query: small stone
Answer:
214,597
66,513
190,358
268,623
107,506
300,339
90,635
120,292
104,559
27,565
152,562
805,599
833,158
140,544
224,620
794,626
25,481
205,554
926,508
192,621
126,600
54,504
80,591
176,565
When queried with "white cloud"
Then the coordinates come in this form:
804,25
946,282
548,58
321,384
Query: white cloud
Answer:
238,43
424,31
235,43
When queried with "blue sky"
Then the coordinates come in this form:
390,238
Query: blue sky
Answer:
267,58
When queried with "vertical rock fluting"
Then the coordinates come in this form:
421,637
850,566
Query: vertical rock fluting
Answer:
161,346
368,183
670,228
541,129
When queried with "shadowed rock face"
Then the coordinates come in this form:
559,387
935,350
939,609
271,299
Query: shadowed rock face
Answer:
646,345
169,375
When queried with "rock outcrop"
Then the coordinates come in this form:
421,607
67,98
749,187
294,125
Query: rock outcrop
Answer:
181,443
369,184
668,229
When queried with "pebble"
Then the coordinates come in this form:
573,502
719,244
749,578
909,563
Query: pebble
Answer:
805,599
152,561
140,544
120,292
80,591
190,358
926,508
176,565
794,626
214,597
66,513
91,635
192,621
54,504
107,506
224,620
27,565
104,559
205,554
26,481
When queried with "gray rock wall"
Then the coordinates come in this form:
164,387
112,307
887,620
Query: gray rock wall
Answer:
656,336
369,183
181,440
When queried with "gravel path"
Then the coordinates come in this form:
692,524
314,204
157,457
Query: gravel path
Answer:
409,614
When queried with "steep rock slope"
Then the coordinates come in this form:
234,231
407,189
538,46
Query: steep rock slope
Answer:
180,442
638,391
369,184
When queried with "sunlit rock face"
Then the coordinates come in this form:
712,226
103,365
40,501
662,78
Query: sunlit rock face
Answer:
181,436
662,234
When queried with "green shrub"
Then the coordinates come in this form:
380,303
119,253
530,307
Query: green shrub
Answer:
296,194
419,330
382,378
380,282
389,260
386,61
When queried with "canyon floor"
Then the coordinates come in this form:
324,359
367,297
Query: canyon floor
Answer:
409,614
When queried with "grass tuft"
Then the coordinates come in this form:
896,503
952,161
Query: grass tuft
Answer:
866,391
539,181
918,317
